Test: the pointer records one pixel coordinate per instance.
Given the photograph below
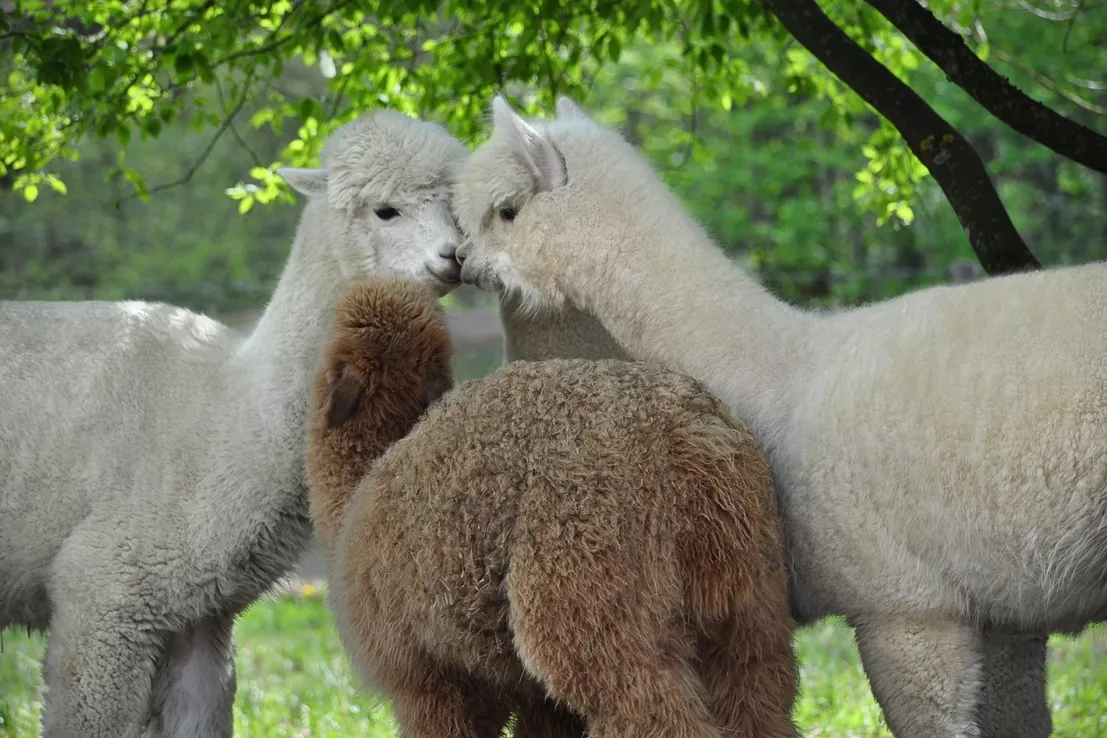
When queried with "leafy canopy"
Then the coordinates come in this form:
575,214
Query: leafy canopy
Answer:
120,68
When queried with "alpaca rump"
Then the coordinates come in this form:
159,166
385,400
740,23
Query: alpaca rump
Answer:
580,543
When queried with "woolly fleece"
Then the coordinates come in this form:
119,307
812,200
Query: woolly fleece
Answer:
559,539
939,458
152,460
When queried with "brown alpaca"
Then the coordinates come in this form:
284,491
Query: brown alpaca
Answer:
387,360
575,542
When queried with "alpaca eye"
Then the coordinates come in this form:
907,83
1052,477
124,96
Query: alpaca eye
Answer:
386,212
507,214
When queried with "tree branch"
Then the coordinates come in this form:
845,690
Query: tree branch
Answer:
993,91
1049,84
276,41
950,158
227,124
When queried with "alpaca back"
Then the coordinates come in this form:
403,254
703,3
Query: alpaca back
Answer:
730,535
976,413
101,400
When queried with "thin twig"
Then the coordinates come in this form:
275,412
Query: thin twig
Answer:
1044,14
991,90
234,130
549,63
227,124
339,96
1049,84
942,149
277,43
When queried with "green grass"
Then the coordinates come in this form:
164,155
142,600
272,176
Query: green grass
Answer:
293,680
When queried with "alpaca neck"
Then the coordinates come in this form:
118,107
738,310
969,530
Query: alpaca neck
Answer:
565,334
684,304
279,358
337,461
269,380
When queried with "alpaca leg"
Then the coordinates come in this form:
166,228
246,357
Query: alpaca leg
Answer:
749,667
1014,703
98,670
626,669
926,675
194,687
649,693
431,703
547,719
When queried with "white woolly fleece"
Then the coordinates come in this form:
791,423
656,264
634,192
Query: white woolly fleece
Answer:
941,458
152,460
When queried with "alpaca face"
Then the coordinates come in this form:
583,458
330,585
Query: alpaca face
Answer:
496,199
410,235
548,208
383,196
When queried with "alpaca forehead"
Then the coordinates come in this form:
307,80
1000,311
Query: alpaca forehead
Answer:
386,155
487,181
496,174
391,175
384,131
349,189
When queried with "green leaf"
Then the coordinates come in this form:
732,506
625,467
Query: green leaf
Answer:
614,48
309,108
56,184
183,63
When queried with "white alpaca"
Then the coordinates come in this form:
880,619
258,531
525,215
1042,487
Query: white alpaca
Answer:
941,458
152,480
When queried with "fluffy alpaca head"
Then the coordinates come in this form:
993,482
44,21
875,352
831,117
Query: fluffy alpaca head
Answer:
388,359
540,194
382,196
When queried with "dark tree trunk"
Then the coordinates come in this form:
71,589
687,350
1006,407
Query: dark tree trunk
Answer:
950,158
992,90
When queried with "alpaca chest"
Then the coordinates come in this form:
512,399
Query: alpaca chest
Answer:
264,557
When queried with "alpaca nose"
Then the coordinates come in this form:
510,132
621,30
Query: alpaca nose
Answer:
448,251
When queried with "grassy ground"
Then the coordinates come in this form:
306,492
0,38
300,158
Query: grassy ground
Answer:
293,680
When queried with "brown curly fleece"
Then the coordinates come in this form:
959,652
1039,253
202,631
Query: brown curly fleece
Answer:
387,360
576,542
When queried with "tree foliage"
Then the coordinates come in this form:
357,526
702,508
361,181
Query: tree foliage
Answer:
288,71
125,67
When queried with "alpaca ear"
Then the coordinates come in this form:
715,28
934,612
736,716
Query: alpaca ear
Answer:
566,108
344,395
538,153
310,182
